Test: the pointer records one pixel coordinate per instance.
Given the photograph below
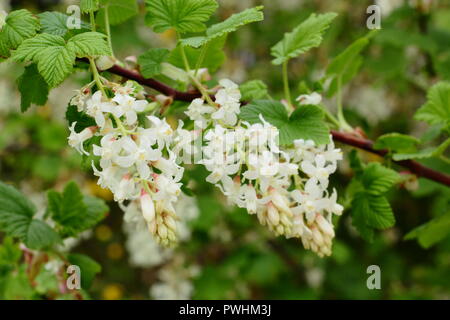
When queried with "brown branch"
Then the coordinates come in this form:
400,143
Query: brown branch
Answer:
345,138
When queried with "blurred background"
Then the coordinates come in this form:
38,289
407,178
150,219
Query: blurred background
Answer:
225,253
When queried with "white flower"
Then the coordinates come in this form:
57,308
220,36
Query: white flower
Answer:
310,200
95,108
79,100
229,93
126,189
197,111
310,99
128,106
228,98
318,170
3,15
161,131
109,150
76,140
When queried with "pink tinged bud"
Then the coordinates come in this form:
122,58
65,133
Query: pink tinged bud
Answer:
148,207
272,214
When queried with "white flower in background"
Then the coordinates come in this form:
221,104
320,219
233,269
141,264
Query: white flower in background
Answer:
372,103
76,140
3,15
310,99
387,6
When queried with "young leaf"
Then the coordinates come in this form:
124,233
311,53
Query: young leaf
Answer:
182,15
437,108
374,211
214,55
431,232
253,90
306,36
32,87
56,23
55,64
89,44
347,64
10,253
396,142
88,267
16,220
19,26
119,11
378,179
150,62
229,25
89,5
304,123
73,212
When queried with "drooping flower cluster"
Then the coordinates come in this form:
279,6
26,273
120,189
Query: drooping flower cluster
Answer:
136,162
285,187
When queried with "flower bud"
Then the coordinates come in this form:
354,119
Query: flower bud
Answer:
148,207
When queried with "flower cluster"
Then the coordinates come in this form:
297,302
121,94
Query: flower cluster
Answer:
285,187
136,162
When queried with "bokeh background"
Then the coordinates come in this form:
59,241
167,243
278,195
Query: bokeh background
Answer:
225,253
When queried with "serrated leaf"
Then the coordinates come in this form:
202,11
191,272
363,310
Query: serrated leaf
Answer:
19,26
31,49
304,123
214,55
437,108
378,179
307,35
229,25
182,15
56,23
396,142
32,87
87,6
375,211
55,64
150,62
89,44
88,267
422,154
16,220
253,90
119,11
73,212
431,232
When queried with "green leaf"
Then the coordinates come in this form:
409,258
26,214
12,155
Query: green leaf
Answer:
19,26
88,267
73,212
32,87
150,62
304,123
396,142
253,90
182,15
119,11
214,55
378,179
55,23
31,49
82,119
422,154
307,35
16,220
89,44
431,232
229,25
89,5
374,211
437,108
10,253
347,64
55,64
